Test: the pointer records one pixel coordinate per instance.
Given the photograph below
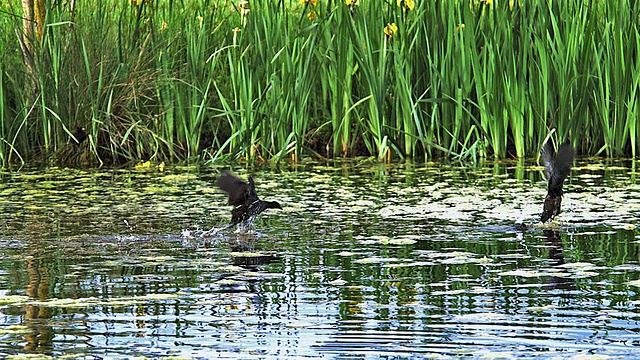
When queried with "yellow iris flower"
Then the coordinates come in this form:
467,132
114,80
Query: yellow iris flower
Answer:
312,15
407,4
390,29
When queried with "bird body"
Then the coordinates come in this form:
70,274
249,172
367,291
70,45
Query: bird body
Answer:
557,168
79,135
77,138
243,196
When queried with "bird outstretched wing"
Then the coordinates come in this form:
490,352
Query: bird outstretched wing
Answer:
557,165
243,197
237,190
557,168
548,154
564,160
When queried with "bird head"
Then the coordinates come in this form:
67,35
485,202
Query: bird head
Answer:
273,205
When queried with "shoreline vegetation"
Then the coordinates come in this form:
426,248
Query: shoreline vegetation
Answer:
266,80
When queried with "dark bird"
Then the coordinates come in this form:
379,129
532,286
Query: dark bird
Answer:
557,169
77,138
243,197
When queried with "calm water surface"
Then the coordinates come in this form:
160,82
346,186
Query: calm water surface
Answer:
366,261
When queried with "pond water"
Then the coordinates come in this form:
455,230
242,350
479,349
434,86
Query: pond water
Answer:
400,261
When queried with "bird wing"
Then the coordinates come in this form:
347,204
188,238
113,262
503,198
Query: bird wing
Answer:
234,187
251,191
557,165
564,160
548,153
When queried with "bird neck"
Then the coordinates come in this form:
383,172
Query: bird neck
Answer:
271,205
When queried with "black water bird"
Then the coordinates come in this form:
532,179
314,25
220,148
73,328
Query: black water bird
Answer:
77,138
557,168
243,197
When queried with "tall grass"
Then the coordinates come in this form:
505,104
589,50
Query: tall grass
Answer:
273,80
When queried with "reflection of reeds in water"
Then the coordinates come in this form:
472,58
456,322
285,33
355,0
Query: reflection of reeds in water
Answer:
41,335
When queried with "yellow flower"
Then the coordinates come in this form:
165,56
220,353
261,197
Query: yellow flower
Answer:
309,2
487,2
352,2
164,26
390,29
407,4
312,14
460,27
512,3
142,165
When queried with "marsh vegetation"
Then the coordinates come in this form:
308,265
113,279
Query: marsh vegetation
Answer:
169,80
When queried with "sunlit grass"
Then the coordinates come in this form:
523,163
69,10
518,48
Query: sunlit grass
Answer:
263,80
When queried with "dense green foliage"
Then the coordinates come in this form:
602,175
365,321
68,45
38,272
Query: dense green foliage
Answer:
169,80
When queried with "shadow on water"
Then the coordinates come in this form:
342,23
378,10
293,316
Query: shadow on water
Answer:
364,261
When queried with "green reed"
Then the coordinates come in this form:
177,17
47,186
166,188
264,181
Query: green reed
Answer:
4,145
337,80
167,81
